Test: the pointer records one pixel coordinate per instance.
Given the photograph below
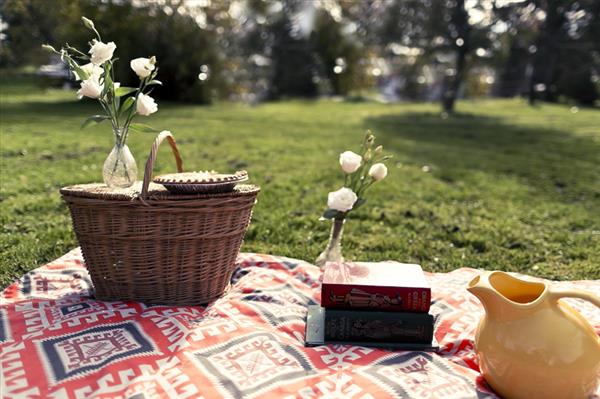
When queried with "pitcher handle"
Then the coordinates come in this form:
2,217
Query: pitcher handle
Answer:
558,293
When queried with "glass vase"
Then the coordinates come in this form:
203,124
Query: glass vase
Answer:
333,251
120,168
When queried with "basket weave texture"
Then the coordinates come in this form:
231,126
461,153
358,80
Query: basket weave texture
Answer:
145,244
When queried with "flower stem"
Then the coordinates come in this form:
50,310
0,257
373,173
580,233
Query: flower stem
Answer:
131,113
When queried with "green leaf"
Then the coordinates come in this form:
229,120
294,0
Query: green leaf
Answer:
359,202
382,159
124,90
140,127
129,101
108,83
74,50
154,82
75,68
331,214
95,119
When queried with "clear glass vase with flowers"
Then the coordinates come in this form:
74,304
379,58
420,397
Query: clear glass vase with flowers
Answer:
95,72
361,171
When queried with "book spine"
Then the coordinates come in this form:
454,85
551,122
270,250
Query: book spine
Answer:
399,299
351,326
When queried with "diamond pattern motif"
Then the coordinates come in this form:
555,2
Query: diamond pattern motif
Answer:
92,348
252,363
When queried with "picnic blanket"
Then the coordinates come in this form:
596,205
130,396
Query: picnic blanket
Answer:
57,342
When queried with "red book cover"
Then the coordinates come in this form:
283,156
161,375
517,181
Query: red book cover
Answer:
385,286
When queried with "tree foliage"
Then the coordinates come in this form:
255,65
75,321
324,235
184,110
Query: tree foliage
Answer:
545,49
181,46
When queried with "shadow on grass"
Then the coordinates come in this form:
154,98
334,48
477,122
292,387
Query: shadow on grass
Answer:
70,107
551,162
29,109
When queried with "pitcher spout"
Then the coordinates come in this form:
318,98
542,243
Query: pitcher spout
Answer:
487,295
505,296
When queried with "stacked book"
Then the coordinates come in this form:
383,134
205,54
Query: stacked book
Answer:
383,304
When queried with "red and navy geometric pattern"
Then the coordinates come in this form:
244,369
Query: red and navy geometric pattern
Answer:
56,341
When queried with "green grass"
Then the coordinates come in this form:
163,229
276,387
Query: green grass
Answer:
498,186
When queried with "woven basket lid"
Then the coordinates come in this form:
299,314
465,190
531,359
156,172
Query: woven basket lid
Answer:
156,192
201,182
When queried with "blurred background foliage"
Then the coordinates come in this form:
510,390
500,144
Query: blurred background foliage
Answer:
254,50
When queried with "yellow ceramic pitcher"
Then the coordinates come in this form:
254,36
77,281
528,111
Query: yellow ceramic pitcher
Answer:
532,345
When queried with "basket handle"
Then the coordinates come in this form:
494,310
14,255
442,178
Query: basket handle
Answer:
165,134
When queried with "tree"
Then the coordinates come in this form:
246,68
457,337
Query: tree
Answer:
445,31
339,54
458,33
301,47
294,64
561,37
461,32
188,60
29,23
517,28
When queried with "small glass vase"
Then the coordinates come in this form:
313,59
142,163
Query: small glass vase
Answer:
120,169
333,251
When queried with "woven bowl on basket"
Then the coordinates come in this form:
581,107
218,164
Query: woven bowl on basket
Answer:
201,182
146,244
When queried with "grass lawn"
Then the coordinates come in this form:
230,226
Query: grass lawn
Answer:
498,186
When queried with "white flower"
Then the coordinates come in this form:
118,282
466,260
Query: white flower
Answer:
350,161
90,88
143,67
93,71
146,105
378,171
102,52
341,200
116,85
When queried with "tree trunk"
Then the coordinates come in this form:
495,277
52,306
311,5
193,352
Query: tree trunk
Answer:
460,17
514,73
454,82
531,94
547,56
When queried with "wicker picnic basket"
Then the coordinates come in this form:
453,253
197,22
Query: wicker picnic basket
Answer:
146,244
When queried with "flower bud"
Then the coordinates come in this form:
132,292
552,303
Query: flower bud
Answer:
48,47
368,155
378,171
369,138
379,149
88,23
153,60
